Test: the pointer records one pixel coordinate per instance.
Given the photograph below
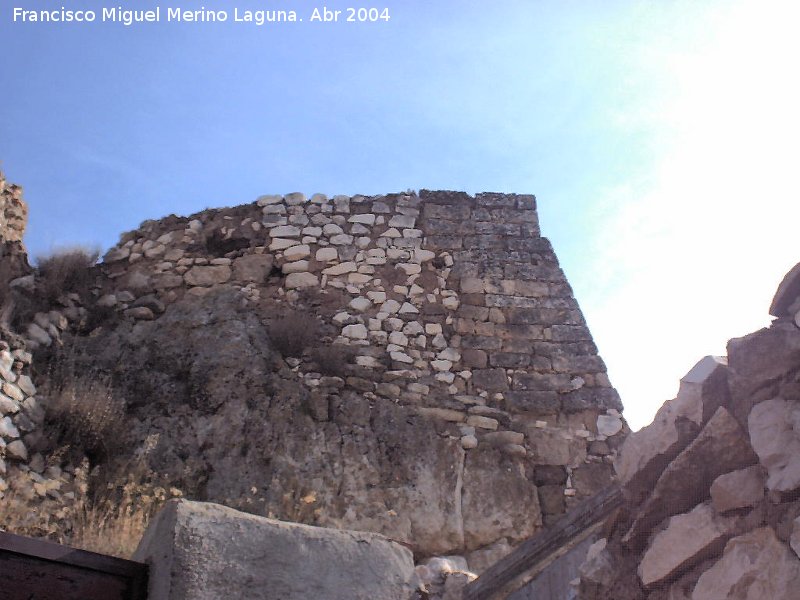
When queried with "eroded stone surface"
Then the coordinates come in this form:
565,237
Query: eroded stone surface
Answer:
787,294
719,448
738,489
687,539
755,566
648,451
208,551
774,428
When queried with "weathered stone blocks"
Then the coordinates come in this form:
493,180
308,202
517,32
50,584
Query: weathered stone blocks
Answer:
209,551
755,565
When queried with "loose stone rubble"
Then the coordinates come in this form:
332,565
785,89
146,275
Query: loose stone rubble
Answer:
713,484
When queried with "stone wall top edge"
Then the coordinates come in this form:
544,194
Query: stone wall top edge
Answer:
494,200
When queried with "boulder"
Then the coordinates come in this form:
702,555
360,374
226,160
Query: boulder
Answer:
207,275
252,267
759,359
483,558
496,502
687,540
738,489
208,551
755,566
794,541
719,448
787,295
646,453
301,280
774,428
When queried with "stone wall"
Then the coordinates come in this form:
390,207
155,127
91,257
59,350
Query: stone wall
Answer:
13,220
36,496
13,212
454,303
712,485
459,290
463,332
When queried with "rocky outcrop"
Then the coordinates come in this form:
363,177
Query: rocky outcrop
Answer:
754,565
712,486
13,220
208,551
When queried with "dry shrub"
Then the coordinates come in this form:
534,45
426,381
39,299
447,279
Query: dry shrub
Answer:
293,332
332,360
83,414
111,522
66,271
118,516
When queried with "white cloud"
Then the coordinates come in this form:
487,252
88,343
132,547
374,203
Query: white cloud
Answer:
690,255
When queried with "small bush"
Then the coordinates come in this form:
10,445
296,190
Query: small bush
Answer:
115,522
84,415
66,271
332,360
293,332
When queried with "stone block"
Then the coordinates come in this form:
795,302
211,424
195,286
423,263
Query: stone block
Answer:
590,478
587,398
473,358
539,402
775,436
459,212
301,280
787,294
550,475
205,276
553,447
509,360
646,452
208,551
542,381
761,357
755,565
551,499
495,501
738,489
492,380
687,540
719,448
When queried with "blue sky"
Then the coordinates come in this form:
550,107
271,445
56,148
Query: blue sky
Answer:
659,137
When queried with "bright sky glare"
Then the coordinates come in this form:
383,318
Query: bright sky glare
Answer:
661,139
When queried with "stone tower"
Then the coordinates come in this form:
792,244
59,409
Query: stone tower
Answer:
471,410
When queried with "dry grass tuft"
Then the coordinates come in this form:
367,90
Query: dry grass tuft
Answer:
66,271
332,360
293,332
84,415
112,523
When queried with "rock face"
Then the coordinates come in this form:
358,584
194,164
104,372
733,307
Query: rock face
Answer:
13,220
754,566
695,481
738,489
410,364
687,540
775,434
208,551
647,452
